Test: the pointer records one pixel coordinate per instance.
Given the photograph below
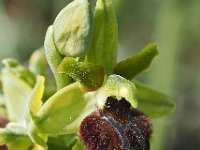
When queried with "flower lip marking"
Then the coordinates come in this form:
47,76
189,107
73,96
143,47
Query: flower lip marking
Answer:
116,126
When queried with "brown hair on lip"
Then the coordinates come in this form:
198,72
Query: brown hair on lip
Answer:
117,126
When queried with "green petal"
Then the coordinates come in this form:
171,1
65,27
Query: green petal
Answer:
105,38
137,63
72,29
16,94
117,87
153,103
89,75
54,59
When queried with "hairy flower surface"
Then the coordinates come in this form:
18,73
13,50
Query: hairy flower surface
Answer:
117,126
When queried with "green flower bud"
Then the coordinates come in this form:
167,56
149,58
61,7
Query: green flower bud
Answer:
72,29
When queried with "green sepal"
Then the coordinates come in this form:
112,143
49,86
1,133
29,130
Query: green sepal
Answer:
137,63
15,137
89,75
16,93
105,39
117,87
20,71
61,114
67,108
73,27
54,59
153,103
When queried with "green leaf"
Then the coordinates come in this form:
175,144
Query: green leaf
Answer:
137,63
54,59
153,103
105,38
15,137
89,75
16,93
117,87
73,27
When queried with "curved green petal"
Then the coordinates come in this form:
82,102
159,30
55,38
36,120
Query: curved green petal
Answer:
153,103
137,63
90,76
117,87
105,38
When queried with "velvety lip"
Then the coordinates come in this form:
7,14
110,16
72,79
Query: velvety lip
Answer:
118,126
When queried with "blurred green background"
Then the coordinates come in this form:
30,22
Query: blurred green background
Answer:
173,24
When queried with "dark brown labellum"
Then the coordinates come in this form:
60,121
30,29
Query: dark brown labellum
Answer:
3,147
117,127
